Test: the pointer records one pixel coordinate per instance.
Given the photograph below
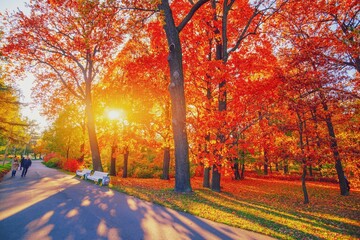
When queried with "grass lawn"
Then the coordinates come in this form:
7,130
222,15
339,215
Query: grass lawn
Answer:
272,207
4,169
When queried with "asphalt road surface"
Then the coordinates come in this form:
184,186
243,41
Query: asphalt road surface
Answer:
49,204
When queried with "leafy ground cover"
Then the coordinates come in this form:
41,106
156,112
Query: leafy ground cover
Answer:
269,206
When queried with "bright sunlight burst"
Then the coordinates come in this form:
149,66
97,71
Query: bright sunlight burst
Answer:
115,114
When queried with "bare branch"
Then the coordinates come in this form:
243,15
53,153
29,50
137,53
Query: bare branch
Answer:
188,17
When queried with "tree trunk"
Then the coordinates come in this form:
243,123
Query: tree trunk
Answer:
94,146
113,161
236,171
310,170
215,182
178,106
303,184
68,149
82,145
206,177
126,157
301,145
242,176
6,152
266,163
286,167
82,151
67,152
166,164
334,148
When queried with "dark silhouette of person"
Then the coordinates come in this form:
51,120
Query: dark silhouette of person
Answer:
22,162
26,165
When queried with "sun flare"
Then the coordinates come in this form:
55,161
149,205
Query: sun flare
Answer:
115,114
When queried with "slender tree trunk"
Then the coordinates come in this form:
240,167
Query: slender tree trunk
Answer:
6,152
301,145
236,171
242,176
303,184
126,158
67,152
334,148
82,150
206,177
113,160
215,183
266,162
82,145
94,146
178,106
216,175
286,167
166,157
166,164
338,166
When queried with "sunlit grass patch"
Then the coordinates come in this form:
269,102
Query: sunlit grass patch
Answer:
273,208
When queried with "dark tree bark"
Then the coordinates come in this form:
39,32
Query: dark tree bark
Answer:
176,88
334,148
113,161
301,145
82,145
216,175
166,164
94,146
338,166
286,167
236,171
177,95
67,149
206,177
242,176
215,183
126,157
303,185
310,170
266,162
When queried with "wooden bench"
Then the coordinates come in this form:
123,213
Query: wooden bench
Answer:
101,178
83,173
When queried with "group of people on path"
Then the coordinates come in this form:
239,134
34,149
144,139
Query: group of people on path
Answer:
23,165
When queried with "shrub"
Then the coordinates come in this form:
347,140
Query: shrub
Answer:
49,156
71,165
144,173
53,162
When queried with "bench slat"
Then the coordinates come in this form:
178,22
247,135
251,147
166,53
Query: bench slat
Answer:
99,177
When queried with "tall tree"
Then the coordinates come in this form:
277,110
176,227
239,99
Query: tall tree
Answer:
67,43
323,38
234,23
176,88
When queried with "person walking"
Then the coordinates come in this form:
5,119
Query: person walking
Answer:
22,162
26,165
14,166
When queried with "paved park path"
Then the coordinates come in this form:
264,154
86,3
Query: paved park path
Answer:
49,204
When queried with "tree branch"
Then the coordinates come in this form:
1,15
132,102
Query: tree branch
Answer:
188,17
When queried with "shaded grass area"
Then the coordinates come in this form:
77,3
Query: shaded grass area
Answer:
268,206
4,169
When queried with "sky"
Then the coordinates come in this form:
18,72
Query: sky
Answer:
30,111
